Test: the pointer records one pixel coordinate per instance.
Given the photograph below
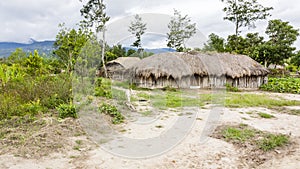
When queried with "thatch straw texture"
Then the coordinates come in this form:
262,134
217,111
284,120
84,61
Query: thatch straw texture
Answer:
200,69
125,62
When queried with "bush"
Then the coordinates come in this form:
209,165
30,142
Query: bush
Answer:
231,88
282,85
103,88
113,112
66,110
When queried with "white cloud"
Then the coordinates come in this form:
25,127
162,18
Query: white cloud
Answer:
39,19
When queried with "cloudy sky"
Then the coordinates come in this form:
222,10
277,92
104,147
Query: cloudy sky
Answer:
38,19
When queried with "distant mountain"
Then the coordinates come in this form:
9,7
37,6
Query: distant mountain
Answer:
6,48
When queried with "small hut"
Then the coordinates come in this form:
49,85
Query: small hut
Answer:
117,67
202,70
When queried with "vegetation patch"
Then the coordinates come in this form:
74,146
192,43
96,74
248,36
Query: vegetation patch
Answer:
265,115
112,111
255,146
231,88
254,100
282,85
271,141
103,88
67,110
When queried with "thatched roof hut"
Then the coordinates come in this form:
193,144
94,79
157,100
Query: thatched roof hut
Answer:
116,68
183,70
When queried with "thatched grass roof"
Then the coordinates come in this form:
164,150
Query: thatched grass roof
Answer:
178,65
125,62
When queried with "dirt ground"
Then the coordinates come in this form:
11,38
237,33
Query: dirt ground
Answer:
64,144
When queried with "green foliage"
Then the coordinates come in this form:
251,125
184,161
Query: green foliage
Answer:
181,29
113,112
114,52
94,14
282,85
95,17
295,60
231,88
171,99
238,134
265,115
245,135
272,141
10,73
103,88
32,108
68,45
34,64
282,36
244,13
130,52
215,43
253,100
137,28
32,95
17,56
66,110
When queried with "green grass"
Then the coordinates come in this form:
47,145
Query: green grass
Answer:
244,135
255,100
271,141
175,99
232,133
265,115
144,95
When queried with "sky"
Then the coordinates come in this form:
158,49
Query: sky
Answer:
39,19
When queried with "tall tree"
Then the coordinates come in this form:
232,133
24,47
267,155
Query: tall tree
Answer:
181,29
235,44
244,13
94,15
137,28
282,36
68,45
215,43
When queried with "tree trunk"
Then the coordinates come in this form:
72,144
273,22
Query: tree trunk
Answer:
236,28
266,63
103,52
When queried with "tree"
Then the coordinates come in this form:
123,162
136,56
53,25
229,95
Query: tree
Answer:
281,38
137,28
181,29
68,45
235,44
215,43
94,15
253,42
244,13
17,56
296,59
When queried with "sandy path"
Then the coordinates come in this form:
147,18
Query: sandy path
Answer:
191,152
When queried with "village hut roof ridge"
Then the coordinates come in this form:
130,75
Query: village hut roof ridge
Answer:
126,62
170,64
181,64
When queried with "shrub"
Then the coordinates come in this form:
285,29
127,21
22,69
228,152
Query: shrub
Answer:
103,88
113,112
282,85
66,110
231,88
